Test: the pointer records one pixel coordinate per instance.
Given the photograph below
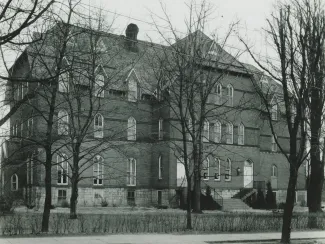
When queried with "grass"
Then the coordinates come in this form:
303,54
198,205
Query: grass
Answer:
150,222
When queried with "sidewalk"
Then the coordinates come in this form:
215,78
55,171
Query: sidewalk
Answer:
164,238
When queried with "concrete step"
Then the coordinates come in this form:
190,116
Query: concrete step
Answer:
234,204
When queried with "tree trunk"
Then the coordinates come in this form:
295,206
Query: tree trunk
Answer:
189,207
73,198
48,198
288,209
197,181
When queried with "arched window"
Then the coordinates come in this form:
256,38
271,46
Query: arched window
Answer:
274,146
241,134
99,86
14,182
190,128
228,170
160,167
64,82
63,122
230,95
230,133
98,166
206,129
219,94
98,126
274,109
274,172
160,129
217,170
205,169
133,90
131,172
132,129
217,131
63,166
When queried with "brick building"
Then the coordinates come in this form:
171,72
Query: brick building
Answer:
142,165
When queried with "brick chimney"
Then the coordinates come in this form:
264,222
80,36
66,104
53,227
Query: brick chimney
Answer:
131,37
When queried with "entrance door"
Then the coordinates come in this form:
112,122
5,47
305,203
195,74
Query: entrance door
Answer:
248,174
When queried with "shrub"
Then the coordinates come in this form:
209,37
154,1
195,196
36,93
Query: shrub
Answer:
260,200
281,205
104,203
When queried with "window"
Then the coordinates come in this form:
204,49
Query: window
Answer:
98,126
64,82
99,86
98,170
131,197
241,134
217,170
133,91
230,95
190,128
30,123
219,94
206,128
228,170
160,167
30,165
132,129
274,146
63,122
274,109
274,172
205,169
21,128
131,172
230,133
181,174
101,46
217,131
160,129
62,195
14,182
62,162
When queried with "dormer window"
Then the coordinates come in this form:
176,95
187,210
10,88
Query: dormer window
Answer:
133,90
70,39
99,86
101,46
64,82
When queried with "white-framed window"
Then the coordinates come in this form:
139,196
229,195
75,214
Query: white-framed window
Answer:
230,133
206,130
132,129
217,170
63,166
228,170
99,126
160,168
160,129
241,134
99,86
230,95
274,172
133,90
190,127
30,126
274,109
98,172
131,172
218,94
64,82
274,146
14,182
63,122
205,169
101,46
217,131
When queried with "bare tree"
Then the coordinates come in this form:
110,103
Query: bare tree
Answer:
290,78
